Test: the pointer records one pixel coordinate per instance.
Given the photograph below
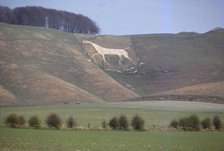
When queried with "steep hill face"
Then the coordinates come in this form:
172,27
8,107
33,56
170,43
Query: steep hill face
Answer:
173,61
42,66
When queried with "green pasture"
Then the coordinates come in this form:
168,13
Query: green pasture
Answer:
154,113
72,140
157,113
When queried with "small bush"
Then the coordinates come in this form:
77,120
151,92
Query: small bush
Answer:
191,123
12,120
21,121
123,122
137,123
206,123
114,123
53,120
34,122
71,122
104,124
174,124
15,121
217,122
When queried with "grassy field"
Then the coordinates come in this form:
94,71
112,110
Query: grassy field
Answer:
66,140
154,112
158,113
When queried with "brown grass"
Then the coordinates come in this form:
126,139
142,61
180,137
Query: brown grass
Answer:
208,89
6,97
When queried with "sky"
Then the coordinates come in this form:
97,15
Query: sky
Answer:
125,17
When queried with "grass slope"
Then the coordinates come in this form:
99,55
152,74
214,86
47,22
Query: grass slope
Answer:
173,61
207,89
41,65
183,63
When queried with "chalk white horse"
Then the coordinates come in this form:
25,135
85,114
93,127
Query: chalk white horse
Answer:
108,51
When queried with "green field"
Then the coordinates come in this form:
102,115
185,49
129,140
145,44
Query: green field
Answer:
68,140
154,113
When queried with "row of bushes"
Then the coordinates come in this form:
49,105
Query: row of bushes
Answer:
52,121
193,123
122,123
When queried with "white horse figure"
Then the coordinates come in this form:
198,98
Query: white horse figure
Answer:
108,51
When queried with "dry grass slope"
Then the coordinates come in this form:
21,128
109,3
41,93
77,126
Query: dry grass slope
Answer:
47,66
208,89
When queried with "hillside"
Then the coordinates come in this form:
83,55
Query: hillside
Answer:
173,61
44,66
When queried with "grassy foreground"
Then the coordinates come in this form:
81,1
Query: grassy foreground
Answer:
68,140
154,113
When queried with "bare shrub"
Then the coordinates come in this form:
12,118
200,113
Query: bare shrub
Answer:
137,123
15,121
21,121
71,122
217,122
206,123
174,124
114,124
104,124
123,122
54,121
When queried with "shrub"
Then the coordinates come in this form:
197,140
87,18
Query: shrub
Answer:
123,122
15,121
137,123
217,122
34,122
12,120
206,123
174,124
71,122
104,124
53,120
114,123
191,123
21,121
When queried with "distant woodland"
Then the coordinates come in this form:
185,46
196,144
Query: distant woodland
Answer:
49,18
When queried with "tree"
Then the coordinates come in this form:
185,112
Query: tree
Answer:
123,122
217,122
206,123
53,120
104,124
14,121
49,18
191,123
174,124
34,122
21,121
114,124
137,122
71,122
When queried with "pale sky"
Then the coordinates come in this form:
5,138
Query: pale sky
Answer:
125,17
